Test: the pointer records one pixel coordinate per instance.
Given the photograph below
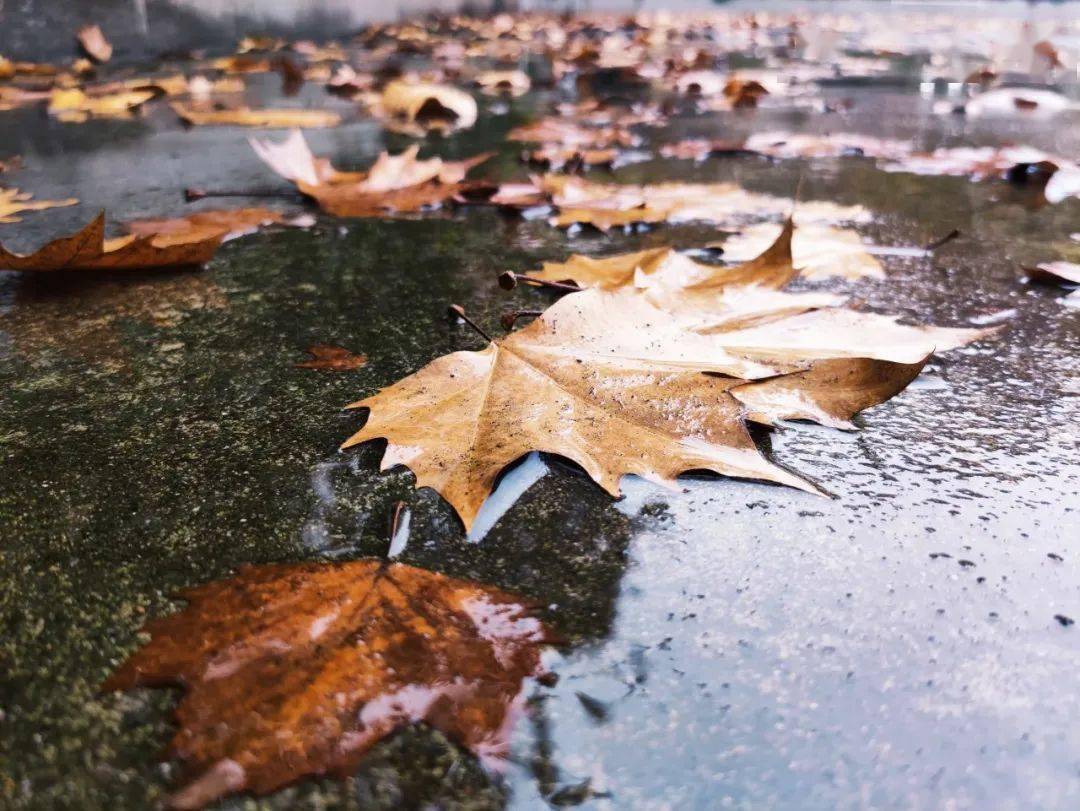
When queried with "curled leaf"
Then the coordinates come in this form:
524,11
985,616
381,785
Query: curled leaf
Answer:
416,108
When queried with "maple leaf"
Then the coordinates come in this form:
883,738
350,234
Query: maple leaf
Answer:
249,117
89,250
296,670
612,379
13,202
334,358
394,183
604,206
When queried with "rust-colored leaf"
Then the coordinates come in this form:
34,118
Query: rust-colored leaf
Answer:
297,670
333,358
394,184
89,250
225,223
93,43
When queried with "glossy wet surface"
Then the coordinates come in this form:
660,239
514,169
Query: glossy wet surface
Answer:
730,643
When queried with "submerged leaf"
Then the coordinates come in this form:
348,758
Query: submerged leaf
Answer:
296,670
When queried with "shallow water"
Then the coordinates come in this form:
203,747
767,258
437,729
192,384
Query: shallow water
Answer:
727,644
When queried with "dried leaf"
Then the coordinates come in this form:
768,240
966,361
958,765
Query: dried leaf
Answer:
561,132
225,223
13,202
416,108
74,106
89,250
779,144
296,670
93,42
334,358
248,117
395,183
819,250
504,82
608,205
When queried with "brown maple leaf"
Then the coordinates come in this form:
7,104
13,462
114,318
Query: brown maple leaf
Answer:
89,250
297,670
613,380
334,358
395,183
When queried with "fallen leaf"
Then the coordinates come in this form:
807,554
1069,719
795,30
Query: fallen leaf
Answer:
225,223
241,64
779,144
698,149
819,250
297,670
604,206
395,183
13,202
335,358
93,42
74,106
89,250
260,43
416,108
558,157
248,117
564,133
504,82
1065,274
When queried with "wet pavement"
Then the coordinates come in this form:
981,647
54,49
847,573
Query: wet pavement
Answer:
729,644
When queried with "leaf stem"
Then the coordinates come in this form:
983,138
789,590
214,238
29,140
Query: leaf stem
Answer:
509,280
458,311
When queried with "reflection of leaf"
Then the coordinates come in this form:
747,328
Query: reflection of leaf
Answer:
227,222
335,358
295,670
612,380
13,202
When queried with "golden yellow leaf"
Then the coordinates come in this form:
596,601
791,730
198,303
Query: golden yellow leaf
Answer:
74,106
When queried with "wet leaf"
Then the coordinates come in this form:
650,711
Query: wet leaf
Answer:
334,358
89,250
605,206
297,670
225,223
416,108
395,183
13,202
818,251
93,43
504,82
248,117
74,106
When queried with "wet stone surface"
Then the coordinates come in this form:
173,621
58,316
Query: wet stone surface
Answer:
727,644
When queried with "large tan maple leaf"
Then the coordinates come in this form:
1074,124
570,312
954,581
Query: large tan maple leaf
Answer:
615,380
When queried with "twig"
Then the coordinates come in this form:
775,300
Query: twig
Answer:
193,194
509,280
937,243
